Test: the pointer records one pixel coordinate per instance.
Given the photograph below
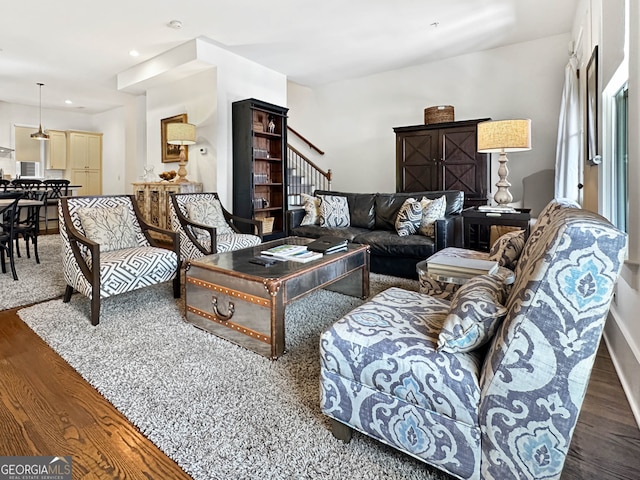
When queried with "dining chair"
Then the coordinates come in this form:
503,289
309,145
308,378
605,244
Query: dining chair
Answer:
26,184
8,208
4,183
27,223
56,188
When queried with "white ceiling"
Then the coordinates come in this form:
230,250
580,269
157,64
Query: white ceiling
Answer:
77,47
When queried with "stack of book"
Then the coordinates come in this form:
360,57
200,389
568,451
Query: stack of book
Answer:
295,253
461,267
496,209
328,244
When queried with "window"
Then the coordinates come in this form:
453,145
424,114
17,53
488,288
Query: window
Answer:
620,163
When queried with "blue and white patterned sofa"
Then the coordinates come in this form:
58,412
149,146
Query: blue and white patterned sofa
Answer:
107,249
505,410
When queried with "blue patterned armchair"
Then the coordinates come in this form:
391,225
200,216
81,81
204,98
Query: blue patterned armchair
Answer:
206,227
487,385
107,249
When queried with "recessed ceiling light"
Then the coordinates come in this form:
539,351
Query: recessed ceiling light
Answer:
435,24
134,53
175,24
68,102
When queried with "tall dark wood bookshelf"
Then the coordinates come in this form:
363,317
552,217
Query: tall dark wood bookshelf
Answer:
260,164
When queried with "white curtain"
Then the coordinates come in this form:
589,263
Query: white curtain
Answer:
569,148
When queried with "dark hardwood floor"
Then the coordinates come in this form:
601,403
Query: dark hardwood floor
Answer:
46,408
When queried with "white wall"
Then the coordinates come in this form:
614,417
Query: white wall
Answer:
600,22
203,80
195,96
353,120
113,130
12,114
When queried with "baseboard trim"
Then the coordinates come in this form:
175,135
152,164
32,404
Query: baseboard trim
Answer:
625,361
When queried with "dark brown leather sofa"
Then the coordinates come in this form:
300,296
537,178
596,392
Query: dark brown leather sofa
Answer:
373,223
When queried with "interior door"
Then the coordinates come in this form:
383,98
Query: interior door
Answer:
419,165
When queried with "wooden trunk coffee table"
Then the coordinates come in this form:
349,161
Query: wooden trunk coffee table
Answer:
245,303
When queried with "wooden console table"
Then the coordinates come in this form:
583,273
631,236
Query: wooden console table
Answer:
153,199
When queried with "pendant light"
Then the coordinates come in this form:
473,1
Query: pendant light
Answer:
40,135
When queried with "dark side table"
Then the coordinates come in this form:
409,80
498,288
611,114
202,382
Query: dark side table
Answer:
477,225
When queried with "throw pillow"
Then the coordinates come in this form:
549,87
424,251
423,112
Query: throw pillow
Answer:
209,212
410,215
432,212
474,315
111,227
334,211
507,249
312,209
408,218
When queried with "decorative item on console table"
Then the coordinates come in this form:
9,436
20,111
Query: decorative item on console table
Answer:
181,134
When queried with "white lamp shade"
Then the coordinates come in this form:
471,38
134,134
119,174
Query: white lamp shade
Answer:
181,134
504,136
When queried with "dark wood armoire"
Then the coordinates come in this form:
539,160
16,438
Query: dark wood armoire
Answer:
442,157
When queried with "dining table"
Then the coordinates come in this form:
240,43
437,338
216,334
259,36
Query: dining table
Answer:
23,202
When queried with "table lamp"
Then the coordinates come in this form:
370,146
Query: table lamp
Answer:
181,134
504,136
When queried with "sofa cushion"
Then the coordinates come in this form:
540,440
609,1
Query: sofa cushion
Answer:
227,243
389,344
334,211
361,207
433,210
409,216
111,227
477,308
389,243
387,205
131,268
312,210
316,231
507,249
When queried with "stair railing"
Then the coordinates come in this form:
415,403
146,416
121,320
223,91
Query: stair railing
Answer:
311,145
304,177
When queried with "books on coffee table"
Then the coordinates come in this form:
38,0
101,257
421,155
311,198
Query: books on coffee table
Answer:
461,267
328,244
295,253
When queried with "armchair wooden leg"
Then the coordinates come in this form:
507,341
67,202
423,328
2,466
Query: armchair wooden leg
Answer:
95,310
340,430
67,294
176,286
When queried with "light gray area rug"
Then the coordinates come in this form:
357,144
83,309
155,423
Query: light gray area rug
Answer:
218,410
36,282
